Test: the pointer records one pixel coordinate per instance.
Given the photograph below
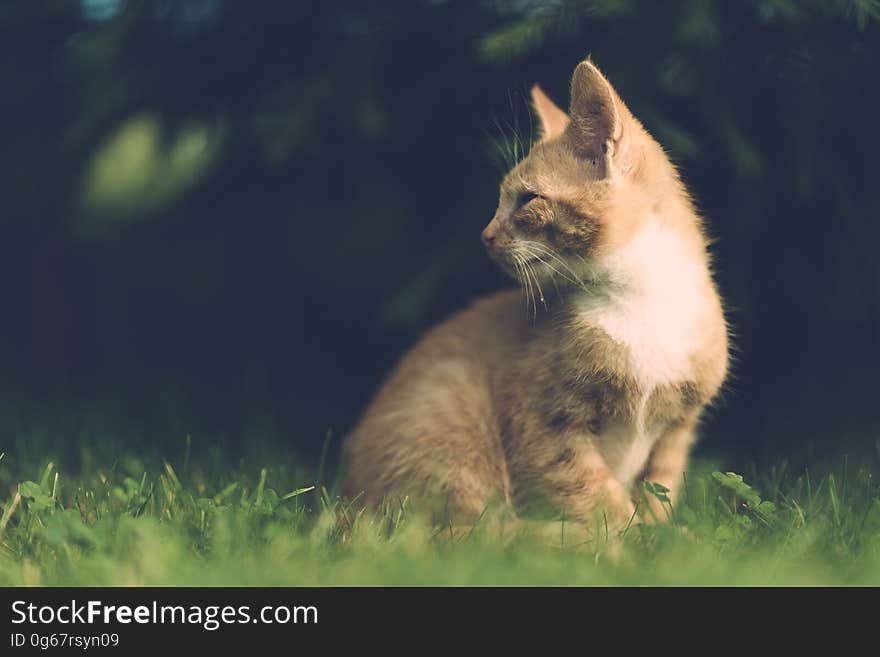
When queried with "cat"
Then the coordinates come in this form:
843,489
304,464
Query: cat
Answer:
568,404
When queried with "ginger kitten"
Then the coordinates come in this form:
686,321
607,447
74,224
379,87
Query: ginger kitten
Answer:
599,384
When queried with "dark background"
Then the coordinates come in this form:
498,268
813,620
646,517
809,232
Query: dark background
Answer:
228,219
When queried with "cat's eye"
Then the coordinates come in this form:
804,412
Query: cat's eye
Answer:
526,197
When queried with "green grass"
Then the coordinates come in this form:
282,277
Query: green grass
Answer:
206,524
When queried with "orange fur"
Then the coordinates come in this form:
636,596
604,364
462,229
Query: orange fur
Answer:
565,404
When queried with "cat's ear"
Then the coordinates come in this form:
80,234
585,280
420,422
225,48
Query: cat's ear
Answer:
598,117
553,120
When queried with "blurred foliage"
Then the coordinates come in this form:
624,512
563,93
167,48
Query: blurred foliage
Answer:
230,218
135,172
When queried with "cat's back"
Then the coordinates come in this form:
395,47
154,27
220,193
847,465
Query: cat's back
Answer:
473,340
436,407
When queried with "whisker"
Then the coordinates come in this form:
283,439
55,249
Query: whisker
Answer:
532,251
546,250
564,263
555,286
520,275
537,285
540,291
531,287
528,272
507,142
537,256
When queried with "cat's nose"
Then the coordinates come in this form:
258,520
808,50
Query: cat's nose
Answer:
488,236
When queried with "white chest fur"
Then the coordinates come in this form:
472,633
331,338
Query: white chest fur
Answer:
654,307
626,451
653,304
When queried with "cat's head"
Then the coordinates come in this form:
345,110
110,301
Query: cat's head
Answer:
583,190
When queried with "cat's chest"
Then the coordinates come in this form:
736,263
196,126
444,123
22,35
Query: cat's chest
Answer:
627,439
654,306
625,412
648,338
618,418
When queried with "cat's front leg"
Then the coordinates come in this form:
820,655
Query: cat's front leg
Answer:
572,477
666,466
